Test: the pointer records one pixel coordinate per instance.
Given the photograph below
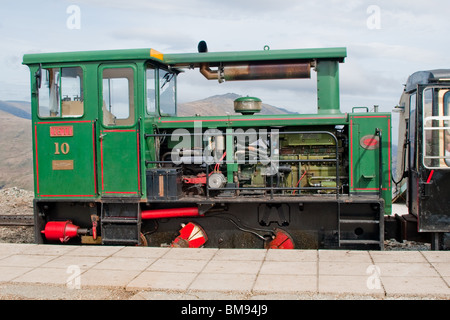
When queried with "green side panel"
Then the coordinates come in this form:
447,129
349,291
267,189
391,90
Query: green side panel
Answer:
119,163
365,155
65,159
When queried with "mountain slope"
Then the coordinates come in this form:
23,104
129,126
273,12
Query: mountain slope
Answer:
19,109
16,159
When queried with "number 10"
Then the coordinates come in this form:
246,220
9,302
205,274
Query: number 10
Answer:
64,149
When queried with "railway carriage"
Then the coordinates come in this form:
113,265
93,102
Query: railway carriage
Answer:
114,164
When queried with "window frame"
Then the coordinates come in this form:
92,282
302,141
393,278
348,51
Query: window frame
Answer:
174,78
156,93
441,130
82,92
132,97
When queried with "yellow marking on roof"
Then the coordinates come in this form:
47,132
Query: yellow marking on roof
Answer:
156,54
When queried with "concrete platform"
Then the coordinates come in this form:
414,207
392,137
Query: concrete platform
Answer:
79,272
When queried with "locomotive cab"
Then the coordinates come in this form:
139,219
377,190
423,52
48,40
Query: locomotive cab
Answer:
423,165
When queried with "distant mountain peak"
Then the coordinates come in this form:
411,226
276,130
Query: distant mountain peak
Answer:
221,104
231,96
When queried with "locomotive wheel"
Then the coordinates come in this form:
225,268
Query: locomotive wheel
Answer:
282,240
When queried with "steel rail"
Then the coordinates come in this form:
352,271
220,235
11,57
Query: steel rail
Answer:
17,220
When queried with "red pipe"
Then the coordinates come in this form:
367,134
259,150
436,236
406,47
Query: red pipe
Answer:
170,213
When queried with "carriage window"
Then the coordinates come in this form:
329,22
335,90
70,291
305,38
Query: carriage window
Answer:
151,91
118,97
167,102
61,92
436,128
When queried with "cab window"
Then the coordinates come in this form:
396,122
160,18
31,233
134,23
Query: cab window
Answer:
436,128
61,92
118,97
151,90
167,93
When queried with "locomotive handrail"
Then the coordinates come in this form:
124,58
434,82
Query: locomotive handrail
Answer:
380,159
271,188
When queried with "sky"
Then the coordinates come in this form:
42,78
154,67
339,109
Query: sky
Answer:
386,41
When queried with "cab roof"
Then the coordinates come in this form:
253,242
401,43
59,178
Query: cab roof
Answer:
426,77
180,59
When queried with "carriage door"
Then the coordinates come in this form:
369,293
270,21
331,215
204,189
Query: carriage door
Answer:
434,172
119,132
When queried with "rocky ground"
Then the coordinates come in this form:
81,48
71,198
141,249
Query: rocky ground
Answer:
16,201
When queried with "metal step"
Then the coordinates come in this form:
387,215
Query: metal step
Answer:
120,241
120,220
358,221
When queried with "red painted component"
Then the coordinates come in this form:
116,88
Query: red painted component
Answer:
430,175
191,236
61,131
198,179
282,240
370,142
170,213
60,230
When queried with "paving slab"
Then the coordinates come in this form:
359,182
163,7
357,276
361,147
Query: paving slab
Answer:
289,267
82,262
443,268
436,256
284,283
233,267
45,275
161,280
103,251
108,278
447,280
141,252
223,282
190,254
397,256
10,248
124,263
415,286
345,256
345,268
172,265
28,260
240,254
98,251
349,284
403,269
291,255
49,250
7,273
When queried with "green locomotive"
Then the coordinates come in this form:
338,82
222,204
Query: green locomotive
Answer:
113,164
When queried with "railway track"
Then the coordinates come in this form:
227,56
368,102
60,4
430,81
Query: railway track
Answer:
16,220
